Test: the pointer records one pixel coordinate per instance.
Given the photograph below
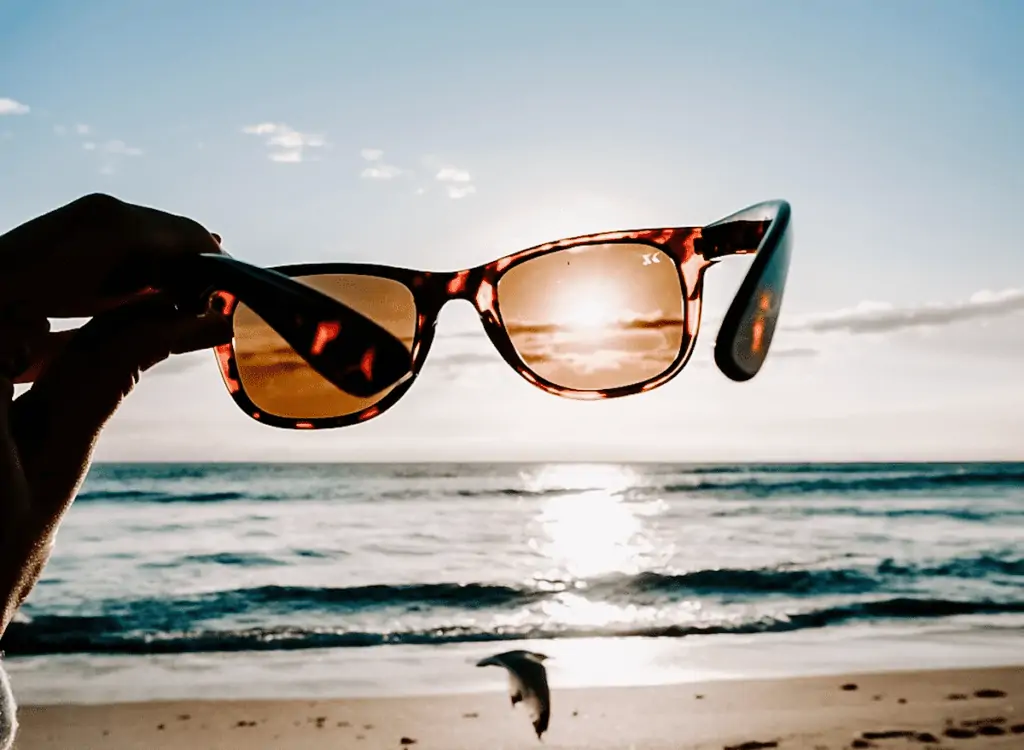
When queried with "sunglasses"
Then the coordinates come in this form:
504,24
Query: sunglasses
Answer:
352,353
590,317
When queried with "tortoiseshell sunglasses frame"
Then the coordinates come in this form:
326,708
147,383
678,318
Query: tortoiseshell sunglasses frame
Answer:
761,229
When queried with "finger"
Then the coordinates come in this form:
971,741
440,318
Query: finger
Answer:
99,251
207,332
19,340
47,350
14,497
18,530
204,332
57,422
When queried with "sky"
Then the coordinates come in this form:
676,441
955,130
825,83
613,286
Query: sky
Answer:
443,135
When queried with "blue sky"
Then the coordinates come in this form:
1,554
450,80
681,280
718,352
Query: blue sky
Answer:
892,128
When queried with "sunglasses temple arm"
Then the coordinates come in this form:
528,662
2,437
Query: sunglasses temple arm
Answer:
724,240
745,335
349,350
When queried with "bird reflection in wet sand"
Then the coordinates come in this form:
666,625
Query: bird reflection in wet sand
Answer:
527,683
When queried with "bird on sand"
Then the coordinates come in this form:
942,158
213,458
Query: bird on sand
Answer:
527,683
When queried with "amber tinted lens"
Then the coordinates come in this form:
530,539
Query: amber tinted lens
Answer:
595,317
280,382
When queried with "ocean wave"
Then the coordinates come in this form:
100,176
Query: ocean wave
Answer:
163,497
143,623
713,482
888,482
53,634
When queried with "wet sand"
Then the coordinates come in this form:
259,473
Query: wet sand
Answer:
973,709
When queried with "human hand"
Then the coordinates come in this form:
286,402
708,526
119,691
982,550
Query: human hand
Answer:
96,257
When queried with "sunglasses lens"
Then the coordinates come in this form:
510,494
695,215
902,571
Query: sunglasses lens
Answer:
595,317
280,382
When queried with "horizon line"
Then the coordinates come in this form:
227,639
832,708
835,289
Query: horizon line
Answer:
498,462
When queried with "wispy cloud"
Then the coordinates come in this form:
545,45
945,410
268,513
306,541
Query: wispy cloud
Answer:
377,169
12,107
120,148
458,183
287,145
475,351
460,191
875,317
78,129
451,174
112,152
381,172
466,359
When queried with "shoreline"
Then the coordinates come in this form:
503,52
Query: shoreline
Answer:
885,709
408,671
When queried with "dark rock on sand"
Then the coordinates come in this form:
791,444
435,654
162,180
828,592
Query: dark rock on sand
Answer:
986,720
989,693
959,733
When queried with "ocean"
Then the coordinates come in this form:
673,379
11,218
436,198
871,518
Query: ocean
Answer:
179,580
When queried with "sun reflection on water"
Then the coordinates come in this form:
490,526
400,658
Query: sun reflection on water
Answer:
586,525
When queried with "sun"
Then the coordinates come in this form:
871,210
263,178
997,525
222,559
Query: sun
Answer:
586,306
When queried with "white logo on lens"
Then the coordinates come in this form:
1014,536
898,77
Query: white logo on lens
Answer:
651,258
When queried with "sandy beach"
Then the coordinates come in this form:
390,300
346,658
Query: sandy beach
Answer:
971,708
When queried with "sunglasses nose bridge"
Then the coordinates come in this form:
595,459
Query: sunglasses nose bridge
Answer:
463,285
438,291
